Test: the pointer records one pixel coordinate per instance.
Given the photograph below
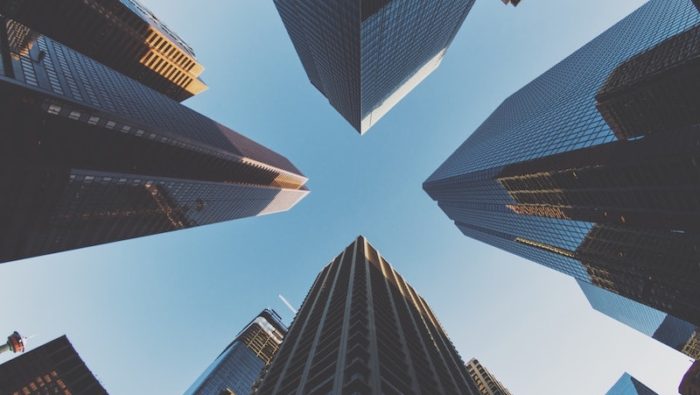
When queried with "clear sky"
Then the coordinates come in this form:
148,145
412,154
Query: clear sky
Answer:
149,315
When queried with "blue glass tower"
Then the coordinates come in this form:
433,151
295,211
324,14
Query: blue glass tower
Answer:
678,334
367,55
238,367
628,385
592,169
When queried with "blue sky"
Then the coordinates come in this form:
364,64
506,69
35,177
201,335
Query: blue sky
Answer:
149,315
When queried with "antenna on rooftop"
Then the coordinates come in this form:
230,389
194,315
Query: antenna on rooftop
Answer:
15,343
289,305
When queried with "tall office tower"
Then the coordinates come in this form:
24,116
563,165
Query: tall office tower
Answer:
691,381
53,368
628,385
366,55
89,156
678,334
237,368
121,34
363,330
593,168
485,382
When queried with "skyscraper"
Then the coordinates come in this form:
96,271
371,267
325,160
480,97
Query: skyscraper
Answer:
592,168
628,385
485,382
121,34
237,368
363,330
678,334
90,156
53,368
366,55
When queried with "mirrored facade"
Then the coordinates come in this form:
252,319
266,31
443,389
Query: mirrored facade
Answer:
238,367
121,34
678,334
366,55
628,385
592,169
90,156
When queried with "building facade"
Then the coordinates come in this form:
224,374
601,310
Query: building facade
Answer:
90,156
366,55
121,34
238,367
53,368
691,381
678,334
592,168
363,330
628,385
485,382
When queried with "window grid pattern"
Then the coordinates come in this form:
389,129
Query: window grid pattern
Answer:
52,368
553,114
363,330
82,80
556,112
399,39
359,52
240,365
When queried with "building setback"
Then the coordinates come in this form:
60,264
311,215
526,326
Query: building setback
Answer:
121,34
678,334
363,330
238,367
593,169
628,385
366,55
485,382
90,156
53,368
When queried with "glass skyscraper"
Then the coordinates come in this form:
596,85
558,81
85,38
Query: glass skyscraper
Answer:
678,334
363,330
593,168
238,367
121,34
367,55
628,385
52,368
90,156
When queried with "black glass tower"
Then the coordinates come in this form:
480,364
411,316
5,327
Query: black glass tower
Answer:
238,367
90,156
53,368
121,34
367,55
593,168
363,330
